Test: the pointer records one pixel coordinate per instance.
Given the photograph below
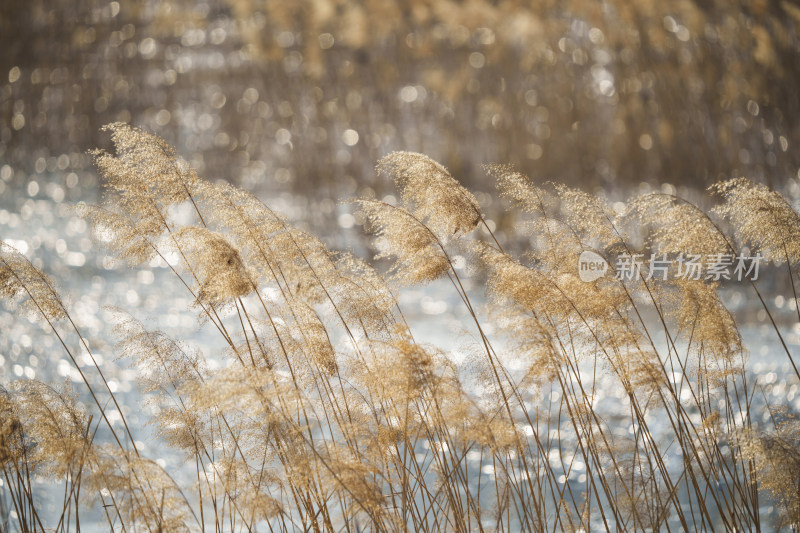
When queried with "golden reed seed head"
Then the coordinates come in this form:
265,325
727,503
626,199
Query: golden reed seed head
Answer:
21,283
126,239
163,364
761,218
360,294
145,168
222,275
559,294
678,227
431,193
56,422
352,478
315,338
419,257
520,190
400,369
776,456
553,239
145,495
590,217
10,428
701,313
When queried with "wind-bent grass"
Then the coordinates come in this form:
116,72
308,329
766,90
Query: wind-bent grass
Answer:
330,416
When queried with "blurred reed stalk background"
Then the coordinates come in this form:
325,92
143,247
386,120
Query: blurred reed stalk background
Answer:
306,96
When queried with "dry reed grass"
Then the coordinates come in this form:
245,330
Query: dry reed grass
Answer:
330,416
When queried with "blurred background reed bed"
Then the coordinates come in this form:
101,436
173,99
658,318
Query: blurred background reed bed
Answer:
325,330
287,95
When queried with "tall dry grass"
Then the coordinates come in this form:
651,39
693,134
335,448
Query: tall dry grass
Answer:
330,416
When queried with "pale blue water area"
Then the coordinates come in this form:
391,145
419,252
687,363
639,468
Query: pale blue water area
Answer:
38,219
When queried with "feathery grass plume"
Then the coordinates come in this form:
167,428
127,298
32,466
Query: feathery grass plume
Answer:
520,190
590,217
19,465
241,213
776,455
44,435
354,480
362,295
489,431
645,503
431,193
222,274
252,396
707,322
247,488
299,263
56,426
257,505
278,343
531,340
120,235
144,179
560,296
302,263
163,364
21,283
761,217
262,236
165,368
400,369
359,296
145,171
144,494
678,226
419,255
315,339
600,299
526,287
10,429
554,239
644,373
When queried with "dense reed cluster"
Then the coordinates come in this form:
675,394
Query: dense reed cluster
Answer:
322,412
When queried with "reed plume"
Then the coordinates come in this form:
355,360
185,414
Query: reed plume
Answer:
21,283
677,226
431,193
419,255
776,456
762,218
